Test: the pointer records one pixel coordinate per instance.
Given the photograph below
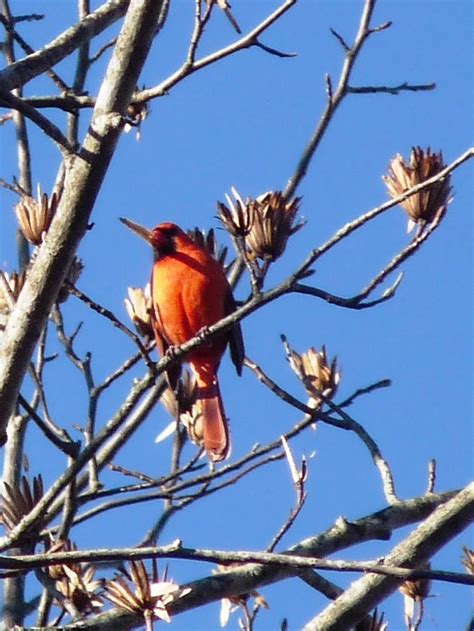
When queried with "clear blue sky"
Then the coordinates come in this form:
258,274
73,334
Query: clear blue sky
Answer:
244,122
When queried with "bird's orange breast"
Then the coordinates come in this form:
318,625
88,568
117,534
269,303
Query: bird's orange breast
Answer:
188,291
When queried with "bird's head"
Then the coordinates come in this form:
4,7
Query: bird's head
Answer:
163,238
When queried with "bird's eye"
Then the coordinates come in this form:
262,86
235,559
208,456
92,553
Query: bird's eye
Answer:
170,231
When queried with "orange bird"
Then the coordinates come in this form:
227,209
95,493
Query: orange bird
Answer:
190,292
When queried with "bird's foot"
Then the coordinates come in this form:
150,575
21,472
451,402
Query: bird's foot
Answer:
171,351
202,333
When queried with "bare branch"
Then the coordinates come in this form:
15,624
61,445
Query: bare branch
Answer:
106,313
363,595
187,69
394,90
26,47
60,439
346,230
176,551
351,55
10,100
274,51
24,70
246,578
346,422
83,180
299,478
383,383
431,476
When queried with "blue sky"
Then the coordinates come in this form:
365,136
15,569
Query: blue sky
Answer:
244,122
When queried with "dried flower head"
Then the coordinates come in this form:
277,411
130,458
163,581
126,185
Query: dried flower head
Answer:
141,595
414,593
208,241
139,309
15,282
229,605
189,412
193,422
317,373
418,589
72,277
35,215
372,623
274,223
422,207
74,582
468,559
17,502
184,399
238,217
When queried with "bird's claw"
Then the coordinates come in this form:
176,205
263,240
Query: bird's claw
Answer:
171,352
202,333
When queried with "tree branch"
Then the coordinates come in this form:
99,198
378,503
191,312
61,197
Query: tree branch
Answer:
84,177
19,73
362,596
251,576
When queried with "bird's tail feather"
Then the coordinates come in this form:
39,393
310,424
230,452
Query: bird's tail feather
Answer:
216,432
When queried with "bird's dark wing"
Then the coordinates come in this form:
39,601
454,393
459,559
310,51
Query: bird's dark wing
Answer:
236,341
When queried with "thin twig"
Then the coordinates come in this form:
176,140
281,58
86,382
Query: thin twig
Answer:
274,51
121,370
400,258
336,97
186,69
176,551
394,90
345,422
200,22
299,478
431,476
106,313
383,383
352,226
27,48
58,437
7,99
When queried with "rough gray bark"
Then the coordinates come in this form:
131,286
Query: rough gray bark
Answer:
24,70
443,525
451,516
84,176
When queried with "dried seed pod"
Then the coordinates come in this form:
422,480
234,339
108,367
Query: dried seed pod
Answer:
35,215
414,593
193,422
186,395
228,605
75,582
17,502
274,223
422,207
373,622
140,594
238,217
189,410
317,373
15,281
139,309
468,559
